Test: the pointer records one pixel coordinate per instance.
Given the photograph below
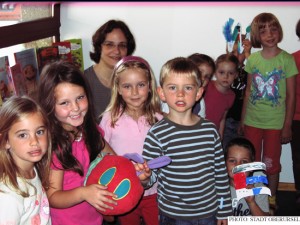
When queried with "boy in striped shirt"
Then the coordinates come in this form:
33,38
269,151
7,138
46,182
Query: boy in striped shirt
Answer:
194,188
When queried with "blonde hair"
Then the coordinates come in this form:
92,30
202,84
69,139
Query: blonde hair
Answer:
259,22
180,65
11,112
117,105
228,58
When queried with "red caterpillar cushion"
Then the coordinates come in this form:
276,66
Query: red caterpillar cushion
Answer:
119,175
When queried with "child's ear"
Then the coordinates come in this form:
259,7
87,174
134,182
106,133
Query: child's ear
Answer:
161,94
199,93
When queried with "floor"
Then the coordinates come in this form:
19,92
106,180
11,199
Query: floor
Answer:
286,204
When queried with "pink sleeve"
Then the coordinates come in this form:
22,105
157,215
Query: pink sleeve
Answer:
55,164
159,116
101,131
106,127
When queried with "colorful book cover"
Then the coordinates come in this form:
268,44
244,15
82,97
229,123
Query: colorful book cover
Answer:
5,84
47,55
76,51
18,80
29,67
64,49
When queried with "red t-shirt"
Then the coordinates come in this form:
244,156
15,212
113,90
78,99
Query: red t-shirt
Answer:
217,103
297,60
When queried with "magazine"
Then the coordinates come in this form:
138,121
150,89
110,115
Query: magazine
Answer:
76,51
5,84
18,83
29,67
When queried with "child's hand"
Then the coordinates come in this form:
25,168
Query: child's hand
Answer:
247,47
96,195
286,134
222,222
250,199
144,170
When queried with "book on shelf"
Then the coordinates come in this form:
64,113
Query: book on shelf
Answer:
47,55
17,80
5,84
27,60
76,52
64,50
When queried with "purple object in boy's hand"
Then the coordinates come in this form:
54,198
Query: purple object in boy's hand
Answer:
152,164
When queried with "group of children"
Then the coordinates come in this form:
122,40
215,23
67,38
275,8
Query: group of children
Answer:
60,132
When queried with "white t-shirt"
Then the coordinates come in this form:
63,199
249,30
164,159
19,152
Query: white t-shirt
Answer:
241,208
15,209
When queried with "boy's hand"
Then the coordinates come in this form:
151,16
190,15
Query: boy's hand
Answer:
222,222
251,198
143,169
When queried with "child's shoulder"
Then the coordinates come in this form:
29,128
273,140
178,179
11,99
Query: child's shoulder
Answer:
285,54
105,118
253,55
161,120
159,116
106,114
206,123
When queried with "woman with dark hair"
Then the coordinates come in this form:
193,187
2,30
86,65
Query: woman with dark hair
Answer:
111,42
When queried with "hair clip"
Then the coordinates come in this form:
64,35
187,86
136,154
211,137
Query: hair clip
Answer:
131,58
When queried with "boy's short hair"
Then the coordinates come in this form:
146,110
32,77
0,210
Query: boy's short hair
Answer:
241,142
180,65
260,22
200,59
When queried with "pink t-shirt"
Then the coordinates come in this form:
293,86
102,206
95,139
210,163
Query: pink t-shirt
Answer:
217,103
127,136
82,213
297,111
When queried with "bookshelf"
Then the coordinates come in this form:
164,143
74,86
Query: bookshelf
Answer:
32,30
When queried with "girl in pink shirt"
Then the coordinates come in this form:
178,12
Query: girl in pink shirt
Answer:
76,141
134,107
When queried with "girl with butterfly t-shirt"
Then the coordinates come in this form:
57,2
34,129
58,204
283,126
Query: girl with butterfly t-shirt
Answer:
270,97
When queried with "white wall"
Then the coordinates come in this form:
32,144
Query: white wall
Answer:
167,30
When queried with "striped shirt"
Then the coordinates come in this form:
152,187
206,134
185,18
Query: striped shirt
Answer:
195,185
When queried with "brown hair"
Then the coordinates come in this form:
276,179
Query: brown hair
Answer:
298,29
200,59
100,35
11,112
228,58
52,75
259,22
